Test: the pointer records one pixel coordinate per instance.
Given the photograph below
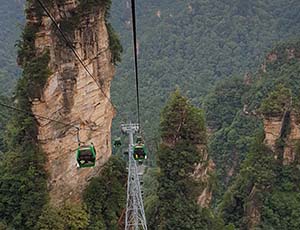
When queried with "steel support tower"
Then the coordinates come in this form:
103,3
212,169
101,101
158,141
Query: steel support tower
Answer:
135,214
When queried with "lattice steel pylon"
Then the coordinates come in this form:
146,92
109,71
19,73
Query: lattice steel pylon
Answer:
135,215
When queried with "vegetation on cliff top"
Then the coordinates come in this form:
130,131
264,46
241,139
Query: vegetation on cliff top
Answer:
69,24
277,102
174,204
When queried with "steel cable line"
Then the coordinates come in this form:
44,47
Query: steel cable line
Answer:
69,44
135,58
45,118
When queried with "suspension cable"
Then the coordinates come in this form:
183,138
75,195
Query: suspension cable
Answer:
45,118
134,33
69,44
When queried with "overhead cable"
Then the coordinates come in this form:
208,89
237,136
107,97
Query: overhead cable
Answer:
69,44
135,51
43,117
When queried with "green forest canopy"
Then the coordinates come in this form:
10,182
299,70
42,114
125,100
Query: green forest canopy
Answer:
193,44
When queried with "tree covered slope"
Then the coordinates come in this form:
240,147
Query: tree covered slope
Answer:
192,44
265,192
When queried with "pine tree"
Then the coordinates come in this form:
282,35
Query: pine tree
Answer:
183,132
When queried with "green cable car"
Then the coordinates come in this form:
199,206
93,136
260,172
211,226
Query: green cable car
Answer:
117,142
86,156
139,152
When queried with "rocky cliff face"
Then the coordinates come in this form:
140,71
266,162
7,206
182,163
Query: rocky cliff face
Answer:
203,173
70,95
273,127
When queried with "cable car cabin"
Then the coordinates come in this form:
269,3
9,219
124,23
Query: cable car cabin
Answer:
86,156
139,152
117,142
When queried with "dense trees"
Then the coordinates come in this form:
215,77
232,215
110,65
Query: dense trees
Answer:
105,196
174,205
69,216
192,44
234,114
266,191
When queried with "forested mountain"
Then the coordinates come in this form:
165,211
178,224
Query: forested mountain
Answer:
264,130
232,108
229,59
184,145
192,44
11,21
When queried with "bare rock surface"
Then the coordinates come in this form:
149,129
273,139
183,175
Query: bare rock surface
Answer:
72,96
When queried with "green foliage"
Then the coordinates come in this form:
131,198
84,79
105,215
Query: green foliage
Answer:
281,207
277,192
105,196
74,217
257,171
23,189
69,24
193,44
285,73
68,217
263,182
277,102
50,219
114,44
175,206
235,118
4,119
26,48
228,148
181,121
233,130
223,102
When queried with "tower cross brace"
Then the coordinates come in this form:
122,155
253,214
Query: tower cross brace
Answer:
135,214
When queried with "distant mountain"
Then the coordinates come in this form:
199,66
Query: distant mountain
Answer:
11,21
193,44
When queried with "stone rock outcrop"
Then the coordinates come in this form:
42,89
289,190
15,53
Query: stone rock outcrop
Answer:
290,150
203,173
72,96
273,127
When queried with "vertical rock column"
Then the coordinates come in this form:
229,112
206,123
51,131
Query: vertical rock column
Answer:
72,96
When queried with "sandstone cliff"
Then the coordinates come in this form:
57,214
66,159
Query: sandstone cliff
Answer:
70,95
203,173
274,126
